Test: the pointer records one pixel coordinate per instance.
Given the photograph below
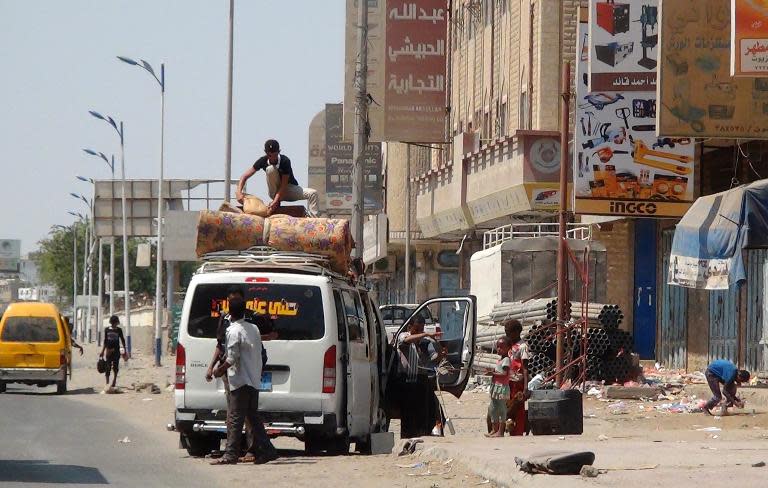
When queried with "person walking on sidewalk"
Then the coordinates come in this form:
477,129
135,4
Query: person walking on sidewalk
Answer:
281,183
113,337
243,367
725,372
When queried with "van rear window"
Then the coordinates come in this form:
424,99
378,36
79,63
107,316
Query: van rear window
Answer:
30,329
297,310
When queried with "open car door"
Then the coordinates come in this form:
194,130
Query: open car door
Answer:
459,328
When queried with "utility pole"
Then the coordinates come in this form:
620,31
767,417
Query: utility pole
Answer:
361,127
562,250
408,223
228,150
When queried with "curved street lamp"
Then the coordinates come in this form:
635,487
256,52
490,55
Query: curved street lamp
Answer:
111,165
126,279
159,265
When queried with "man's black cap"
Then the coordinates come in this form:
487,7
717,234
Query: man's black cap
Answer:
271,146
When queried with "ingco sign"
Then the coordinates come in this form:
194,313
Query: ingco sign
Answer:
633,208
629,208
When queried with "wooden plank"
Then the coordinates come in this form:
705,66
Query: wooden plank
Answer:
630,392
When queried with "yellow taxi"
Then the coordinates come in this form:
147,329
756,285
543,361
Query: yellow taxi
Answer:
35,346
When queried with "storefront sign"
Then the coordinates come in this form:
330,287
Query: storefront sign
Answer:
623,52
697,95
620,167
749,38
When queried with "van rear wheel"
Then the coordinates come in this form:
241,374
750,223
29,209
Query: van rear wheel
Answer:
61,386
199,446
2,386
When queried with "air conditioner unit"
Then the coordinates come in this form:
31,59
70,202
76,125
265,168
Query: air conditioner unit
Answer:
384,265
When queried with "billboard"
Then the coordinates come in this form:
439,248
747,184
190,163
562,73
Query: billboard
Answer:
623,53
338,167
698,97
749,38
10,255
620,167
406,70
414,71
316,157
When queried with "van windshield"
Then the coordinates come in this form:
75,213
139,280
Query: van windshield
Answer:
30,329
297,310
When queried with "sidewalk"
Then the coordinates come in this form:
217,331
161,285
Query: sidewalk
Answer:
684,449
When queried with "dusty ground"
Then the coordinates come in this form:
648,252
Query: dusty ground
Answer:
670,446
154,411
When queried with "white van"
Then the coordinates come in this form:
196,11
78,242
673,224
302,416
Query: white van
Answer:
325,381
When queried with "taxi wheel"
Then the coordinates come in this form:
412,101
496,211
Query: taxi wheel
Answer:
61,386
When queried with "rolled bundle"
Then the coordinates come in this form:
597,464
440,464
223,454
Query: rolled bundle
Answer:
226,231
327,237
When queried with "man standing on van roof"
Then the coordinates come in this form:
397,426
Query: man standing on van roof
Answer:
243,367
281,183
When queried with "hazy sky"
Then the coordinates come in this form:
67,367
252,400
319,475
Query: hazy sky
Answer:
58,61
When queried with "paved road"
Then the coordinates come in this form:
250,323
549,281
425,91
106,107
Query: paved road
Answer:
57,440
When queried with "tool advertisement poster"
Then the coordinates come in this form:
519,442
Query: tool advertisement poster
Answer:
749,38
697,95
620,167
623,53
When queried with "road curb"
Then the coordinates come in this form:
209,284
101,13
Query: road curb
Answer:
487,469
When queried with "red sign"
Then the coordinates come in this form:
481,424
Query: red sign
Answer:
415,64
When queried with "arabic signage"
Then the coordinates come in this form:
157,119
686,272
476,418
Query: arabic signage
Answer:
10,255
338,167
749,38
415,71
623,54
273,308
698,97
706,274
406,70
620,167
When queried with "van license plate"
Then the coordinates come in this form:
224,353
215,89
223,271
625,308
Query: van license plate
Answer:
266,381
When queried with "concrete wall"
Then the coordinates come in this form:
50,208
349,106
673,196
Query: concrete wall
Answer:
619,241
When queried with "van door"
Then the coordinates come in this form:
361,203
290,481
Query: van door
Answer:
459,327
358,366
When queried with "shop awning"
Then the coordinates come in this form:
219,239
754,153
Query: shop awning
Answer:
706,250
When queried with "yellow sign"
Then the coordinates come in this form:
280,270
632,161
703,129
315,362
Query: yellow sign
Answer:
697,96
630,208
280,308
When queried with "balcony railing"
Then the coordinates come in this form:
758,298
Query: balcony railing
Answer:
499,235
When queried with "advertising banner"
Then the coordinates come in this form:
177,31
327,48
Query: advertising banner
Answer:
406,70
414,73
749,38
698,97
620,167
10,254
338,167
705,274
623,54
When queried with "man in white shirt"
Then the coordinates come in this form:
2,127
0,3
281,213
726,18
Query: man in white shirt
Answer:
243,368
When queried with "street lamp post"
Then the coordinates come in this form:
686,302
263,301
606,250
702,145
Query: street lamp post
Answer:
74,272
126,280
88,263
111,239
82,218
159,265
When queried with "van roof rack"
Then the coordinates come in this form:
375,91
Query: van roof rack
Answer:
267,258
